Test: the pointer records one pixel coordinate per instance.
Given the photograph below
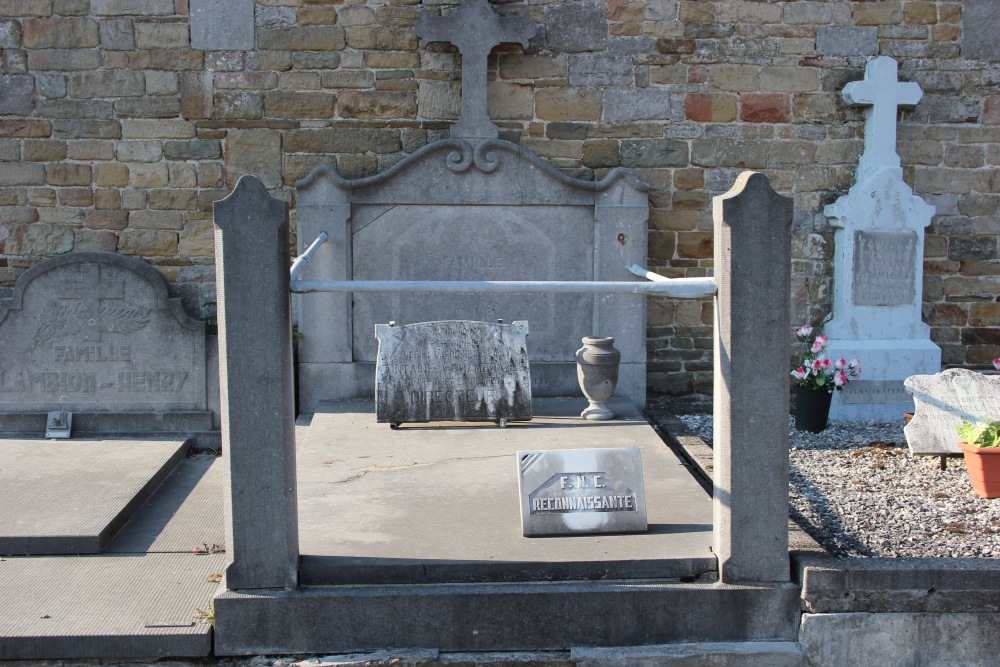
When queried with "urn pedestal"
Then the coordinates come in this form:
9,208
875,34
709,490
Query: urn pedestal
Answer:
597,371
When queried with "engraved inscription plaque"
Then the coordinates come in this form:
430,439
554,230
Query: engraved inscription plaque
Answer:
884,267
943,401
873,391
452,371
98,332
569,491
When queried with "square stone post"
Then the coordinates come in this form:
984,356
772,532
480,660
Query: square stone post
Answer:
256,382
752,311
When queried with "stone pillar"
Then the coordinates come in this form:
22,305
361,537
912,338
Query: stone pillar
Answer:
752,346
256,384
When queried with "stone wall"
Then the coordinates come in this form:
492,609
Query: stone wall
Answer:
116,134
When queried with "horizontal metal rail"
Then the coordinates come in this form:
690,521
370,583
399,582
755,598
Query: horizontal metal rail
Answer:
303,259
681,288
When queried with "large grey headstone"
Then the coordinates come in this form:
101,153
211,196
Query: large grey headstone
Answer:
568,491
452,371
981,29
98,332
943,401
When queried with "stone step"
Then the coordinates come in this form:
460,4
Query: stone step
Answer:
495,617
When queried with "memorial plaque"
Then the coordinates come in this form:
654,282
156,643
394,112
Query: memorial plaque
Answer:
943,401
874,391
884,267
569,491
98,332
452,371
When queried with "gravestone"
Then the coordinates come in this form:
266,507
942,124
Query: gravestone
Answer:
98,334
452,371
573,491
943,401
471,207
878,262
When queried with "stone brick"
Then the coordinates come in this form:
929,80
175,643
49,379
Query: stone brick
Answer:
76,197
40,240
577,104
195,94
878,13
312,38
21,173
788,79
42,150
238,104
532,66
932,180
117,34
196,149
316,59
816,106
139,151
352,15
733,77
576,27
19,8
600,70
170,200
348,79
162,36
115,220
60,33
991,110
24,128
341,140
377,104
972,247
10,34
510,101
696,12
161,83
729,153
921,13
630,104
89,240
64,59
113,83
16,95
167,59
132,7
147,243
258,152
113,175
274,17
381,38
710,107
299,105
695,245
566,130
652,153
151,175
106,199
601,153
811,13
69,174
785,153
197,239
148,107
984,315
765,108
316,16
392,60
846,41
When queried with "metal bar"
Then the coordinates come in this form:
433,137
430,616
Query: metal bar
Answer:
681,288
303,259
637,270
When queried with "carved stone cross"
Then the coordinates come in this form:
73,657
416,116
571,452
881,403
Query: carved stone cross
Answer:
882,92
91,290
474,29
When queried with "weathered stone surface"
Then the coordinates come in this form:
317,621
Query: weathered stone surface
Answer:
580,491
254,152
846,41
342,140
628,104
117,34
299,105
16,95
600,70
123,83
98,332
568,104
576,26
376,104
60,33
943,401
980,38
132,7
452,371
651,153
311,38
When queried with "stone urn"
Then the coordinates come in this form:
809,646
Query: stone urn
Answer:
597,371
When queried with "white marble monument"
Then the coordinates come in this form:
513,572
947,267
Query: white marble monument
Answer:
878,262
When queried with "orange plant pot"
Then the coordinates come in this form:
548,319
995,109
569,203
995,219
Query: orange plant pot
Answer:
983,464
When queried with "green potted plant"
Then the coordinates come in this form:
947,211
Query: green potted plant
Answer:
981,447
817,378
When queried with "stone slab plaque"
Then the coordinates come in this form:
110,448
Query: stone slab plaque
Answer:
943,401
884,267
98,332
580,491
874,391
452,371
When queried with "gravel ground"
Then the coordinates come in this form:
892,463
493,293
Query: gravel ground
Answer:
857,491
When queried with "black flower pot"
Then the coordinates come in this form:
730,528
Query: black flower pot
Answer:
812,409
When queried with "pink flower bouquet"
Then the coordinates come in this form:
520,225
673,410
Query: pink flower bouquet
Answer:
816,371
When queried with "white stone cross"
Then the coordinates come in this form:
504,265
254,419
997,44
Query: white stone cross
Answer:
882,92
475,29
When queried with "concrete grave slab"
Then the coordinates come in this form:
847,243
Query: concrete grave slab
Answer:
452,371
73,496
579,491
98,332
106,606
430,504
943,401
